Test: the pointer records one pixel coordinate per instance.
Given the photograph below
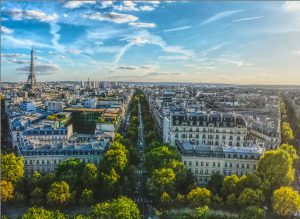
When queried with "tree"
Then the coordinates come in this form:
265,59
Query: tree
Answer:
161,181
287,135
12,167
291,150
231,202
230,185
121,208
59,193
89,175
251,197
199,197
286,202
215,183
250,180
41,213
201,212
7,189
253,212
159,156
165,200
86,197
37,196
111,178
124,207
180,201
275,169
115,157
70,170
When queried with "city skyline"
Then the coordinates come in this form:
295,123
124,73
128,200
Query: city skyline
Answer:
188,41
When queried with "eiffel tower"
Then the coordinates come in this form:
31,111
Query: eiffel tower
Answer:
31,81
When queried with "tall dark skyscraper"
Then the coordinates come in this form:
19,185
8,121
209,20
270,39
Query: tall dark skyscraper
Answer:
31,81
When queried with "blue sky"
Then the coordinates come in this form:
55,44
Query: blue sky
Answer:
189,41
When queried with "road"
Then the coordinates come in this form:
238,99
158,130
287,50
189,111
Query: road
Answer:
140,186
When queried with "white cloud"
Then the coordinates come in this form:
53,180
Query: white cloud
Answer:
153,2
248,19
12,42
112,17
178,28
6,30
106,4
143,25
126,6
54,29
99,43
16,61
147,8
73,51
216,47
77,4
41,68
219,16
17,14
174,57
292,6
296,52
11,55
144,37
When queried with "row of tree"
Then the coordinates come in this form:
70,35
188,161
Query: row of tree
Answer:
119,208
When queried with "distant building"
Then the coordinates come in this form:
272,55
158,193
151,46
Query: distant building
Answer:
55,106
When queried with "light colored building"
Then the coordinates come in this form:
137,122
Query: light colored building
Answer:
206,161
45,158
212,142
55,106
208,129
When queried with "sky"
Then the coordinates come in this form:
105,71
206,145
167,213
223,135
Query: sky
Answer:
233,42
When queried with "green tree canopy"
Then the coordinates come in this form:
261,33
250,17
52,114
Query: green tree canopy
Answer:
275,169
199,197
253,212
86,197
251,197
12,167
70,170
159,156
230,185
287,135
286,202
41,213
89,175
121,208
215,183
59,193
291,150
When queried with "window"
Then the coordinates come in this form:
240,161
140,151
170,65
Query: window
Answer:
207,164
230,164
190,163
225,164
196,163
37,162
202,163
219,164
214,164
196,171
243,166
